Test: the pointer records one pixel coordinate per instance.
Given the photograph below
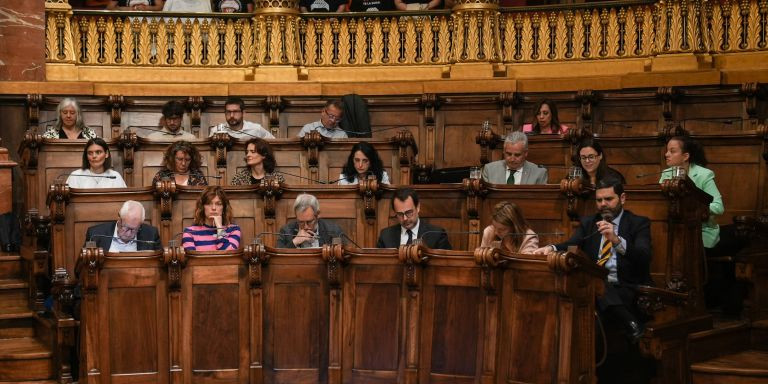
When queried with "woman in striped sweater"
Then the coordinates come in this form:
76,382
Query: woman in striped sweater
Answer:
213,229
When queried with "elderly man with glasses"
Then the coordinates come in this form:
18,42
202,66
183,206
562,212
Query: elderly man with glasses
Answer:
128,233
405,203
308,230
328,125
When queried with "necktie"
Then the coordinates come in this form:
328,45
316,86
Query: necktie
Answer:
605,252
410,237
511,178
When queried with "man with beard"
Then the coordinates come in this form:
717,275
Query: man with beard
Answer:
405,203
234,108
173,115
620,241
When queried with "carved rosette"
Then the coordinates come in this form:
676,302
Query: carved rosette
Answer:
369,191
175,260
313,142
29,149
475,190
404,140
57,200
487,139
411,256
33,108
91,260
221,142
270,190
333,255
165,190
128,142
256,256
572,189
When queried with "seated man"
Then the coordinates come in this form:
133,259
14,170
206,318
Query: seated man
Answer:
234,108
620,241
328,125
128,233
405,203
173,114
308,230
514,168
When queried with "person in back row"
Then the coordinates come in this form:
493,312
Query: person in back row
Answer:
69,122
514,168
173,115
96,171
234,108
547,120
328,125
405,203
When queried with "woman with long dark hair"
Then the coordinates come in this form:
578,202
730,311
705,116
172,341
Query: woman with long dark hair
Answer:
182,163
260,164
363,160
547,121
96,170
589,156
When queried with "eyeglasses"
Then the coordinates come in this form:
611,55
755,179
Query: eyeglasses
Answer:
409,214
331,116
589,158
228,112
125,228
307,223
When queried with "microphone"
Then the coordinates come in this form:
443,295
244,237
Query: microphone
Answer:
302,177
223,127
620,125
344,235
713,120
47,121
388,129
607,216
421,236
652,173
188,173
153,128
78,175
258,237
121,240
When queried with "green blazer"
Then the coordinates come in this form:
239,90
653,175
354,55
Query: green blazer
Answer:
704,179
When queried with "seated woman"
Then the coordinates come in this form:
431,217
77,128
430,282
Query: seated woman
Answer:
260,164
136,5
96,171
182,163
510,227
589,156
683,151
213,229
547,120
69,122
362,161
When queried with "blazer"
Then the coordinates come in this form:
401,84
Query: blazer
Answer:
327,230
146,233
704,179
436,238
496,173
633,267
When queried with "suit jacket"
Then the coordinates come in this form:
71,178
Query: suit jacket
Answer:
437,238
327,230
146,233
496,172
633,267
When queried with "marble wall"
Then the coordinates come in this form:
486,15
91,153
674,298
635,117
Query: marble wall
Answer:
22,40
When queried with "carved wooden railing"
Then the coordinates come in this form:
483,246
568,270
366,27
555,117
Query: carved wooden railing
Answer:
471,32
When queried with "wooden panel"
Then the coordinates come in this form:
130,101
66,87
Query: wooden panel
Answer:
133,331
214,328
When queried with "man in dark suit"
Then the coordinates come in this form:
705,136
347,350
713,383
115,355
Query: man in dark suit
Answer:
128,233
405,203
308,230
621,242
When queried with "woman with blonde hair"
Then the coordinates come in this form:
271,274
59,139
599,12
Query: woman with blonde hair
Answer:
509,226
213,229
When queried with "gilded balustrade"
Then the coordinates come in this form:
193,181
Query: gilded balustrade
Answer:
473,31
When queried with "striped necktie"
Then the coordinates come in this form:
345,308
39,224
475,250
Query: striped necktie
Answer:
410,237
605,252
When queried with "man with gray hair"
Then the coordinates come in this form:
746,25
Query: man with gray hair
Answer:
514,168
128,233
308,230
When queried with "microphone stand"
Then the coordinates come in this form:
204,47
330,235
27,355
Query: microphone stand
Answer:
153,128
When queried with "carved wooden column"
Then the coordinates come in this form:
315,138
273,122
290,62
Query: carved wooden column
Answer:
175,261
413,263
128,142
116,104
33,110
196,104
407,151
370,194
508,101
274,106
667,96
335,259
276,33
588,99
313,142
430,104
165,191
221,142
475,191
63,292
476,32
89,268
28,155
256,257
57,200
487,139
270,190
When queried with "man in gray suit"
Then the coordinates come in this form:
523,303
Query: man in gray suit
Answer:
514,169
308,230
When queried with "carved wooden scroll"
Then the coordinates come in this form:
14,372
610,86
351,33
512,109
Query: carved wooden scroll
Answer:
195,105
116,104
175,260
475,190
667,96
508,101
128,142
256,256
430,104
335,258
313,142
487,139
57,199
274,106
91,260
588,99
750,92
411,255
369,191
29,149
33,109
573,189
405,141
221,142
270,190
165,190
63,291
488,258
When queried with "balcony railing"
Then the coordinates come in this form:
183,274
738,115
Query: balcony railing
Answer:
473,31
